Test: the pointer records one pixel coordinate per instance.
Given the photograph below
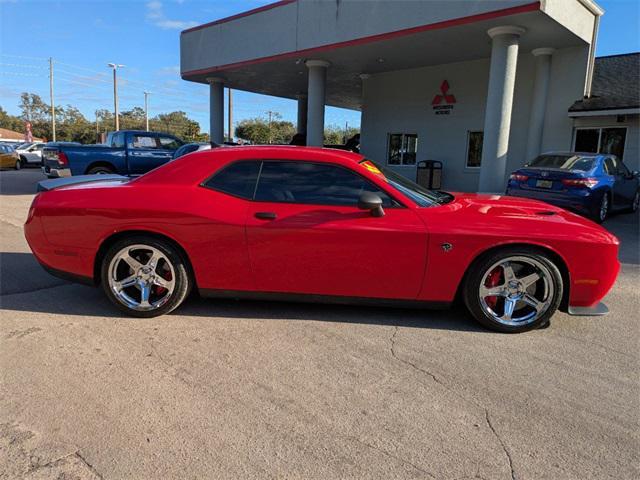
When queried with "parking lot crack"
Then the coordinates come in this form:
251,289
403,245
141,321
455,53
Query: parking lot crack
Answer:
411,364
502,443
390,455
505,449
89,466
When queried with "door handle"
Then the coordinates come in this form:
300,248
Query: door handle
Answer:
266,215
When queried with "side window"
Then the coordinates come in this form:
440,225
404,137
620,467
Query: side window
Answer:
169,143
237,179
144,141
117,140
313,183
609,166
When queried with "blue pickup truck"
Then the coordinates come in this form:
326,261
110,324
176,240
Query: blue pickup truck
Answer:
126,152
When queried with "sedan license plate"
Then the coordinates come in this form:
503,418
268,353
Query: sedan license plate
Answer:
544,183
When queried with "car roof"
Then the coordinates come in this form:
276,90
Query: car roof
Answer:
582,154
196,165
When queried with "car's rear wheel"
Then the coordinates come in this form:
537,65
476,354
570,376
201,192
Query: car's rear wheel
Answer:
602,210
18,165
145,277
513,290
100,170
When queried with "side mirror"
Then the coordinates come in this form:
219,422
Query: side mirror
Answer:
372,202
635,173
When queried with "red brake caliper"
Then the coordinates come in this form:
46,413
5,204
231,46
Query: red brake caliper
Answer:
493,280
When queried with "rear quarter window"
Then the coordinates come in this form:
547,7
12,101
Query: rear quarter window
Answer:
237,179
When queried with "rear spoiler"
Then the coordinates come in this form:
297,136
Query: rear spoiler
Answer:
46,185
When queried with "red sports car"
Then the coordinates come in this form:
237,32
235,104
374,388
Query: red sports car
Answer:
317,224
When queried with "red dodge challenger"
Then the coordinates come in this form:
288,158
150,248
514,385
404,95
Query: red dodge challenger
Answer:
317,224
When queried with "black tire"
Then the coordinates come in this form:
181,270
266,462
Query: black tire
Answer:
18,165
635,203
100,170
601,212
183,278
477,271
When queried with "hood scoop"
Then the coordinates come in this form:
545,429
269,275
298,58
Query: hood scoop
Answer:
546,213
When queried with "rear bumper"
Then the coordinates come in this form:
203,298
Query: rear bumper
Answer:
56,172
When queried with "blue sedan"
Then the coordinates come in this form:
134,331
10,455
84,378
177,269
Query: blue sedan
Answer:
591,184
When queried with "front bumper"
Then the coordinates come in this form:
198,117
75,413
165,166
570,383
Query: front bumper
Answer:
596,311
56,172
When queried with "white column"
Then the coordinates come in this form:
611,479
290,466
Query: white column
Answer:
315,102
497,117
216,110
301,126
538,101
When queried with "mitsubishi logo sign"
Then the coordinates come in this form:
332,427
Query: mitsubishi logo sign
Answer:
443,102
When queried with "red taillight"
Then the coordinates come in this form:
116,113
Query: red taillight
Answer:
518,177
580,182
62,159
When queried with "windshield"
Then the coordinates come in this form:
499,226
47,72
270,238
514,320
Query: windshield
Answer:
563,162
422,196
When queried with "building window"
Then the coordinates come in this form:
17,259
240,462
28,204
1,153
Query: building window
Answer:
474,149
600,140
402,149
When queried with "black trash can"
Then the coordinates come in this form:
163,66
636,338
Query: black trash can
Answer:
429,174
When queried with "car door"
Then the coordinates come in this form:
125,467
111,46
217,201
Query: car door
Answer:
147,151
306,235
621,191
628,184
34,153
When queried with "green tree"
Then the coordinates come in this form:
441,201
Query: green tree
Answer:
261,131
334,135
11,122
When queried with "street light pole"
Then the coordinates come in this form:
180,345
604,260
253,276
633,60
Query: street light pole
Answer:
115,67
146,109
53,108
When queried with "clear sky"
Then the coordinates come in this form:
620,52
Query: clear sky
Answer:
83,36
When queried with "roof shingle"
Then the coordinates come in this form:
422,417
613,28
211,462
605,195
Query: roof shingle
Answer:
616,84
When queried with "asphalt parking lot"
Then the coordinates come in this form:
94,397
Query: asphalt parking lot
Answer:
225,389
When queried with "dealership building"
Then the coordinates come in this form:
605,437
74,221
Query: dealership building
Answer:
481,86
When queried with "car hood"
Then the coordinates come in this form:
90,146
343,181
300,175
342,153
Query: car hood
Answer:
520,217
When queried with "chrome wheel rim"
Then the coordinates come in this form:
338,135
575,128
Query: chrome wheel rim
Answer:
141,277
636,201
604,207
516,291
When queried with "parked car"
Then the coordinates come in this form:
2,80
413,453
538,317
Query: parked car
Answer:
30,153
126,152
9,158
317,224
591,184
190,148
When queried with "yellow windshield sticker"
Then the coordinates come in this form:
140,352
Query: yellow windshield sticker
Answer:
371,167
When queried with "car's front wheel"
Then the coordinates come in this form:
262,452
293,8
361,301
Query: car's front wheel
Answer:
145,277
18,164
513,290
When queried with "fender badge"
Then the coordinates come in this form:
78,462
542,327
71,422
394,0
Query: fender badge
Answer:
446,247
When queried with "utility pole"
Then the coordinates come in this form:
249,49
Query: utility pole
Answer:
230,118
146,109
270,113
115,67
53,108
